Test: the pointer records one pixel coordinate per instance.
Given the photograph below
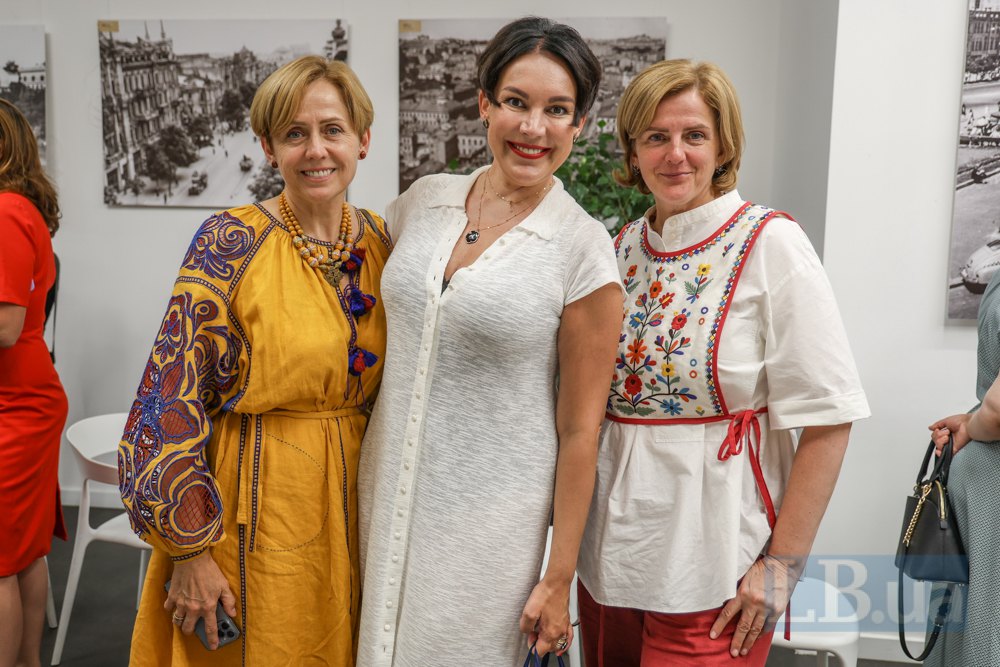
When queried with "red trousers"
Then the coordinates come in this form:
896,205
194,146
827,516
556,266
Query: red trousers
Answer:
622,637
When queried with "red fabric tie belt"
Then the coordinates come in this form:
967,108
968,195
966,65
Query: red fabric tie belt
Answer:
745,428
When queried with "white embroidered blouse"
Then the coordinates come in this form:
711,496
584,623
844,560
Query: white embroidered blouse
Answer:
678,516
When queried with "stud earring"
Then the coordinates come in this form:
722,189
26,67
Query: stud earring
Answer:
720,171
274,164
362,155
486,123
635,170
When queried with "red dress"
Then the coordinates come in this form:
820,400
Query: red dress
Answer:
32,401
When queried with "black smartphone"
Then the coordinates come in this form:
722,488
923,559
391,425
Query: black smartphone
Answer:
226,627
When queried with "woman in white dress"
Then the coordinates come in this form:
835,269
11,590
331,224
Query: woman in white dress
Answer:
498,283
705,509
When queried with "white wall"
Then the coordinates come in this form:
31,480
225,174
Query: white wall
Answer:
892,159
802,111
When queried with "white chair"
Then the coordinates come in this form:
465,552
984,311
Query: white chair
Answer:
574,609
95,444
50,601
824,621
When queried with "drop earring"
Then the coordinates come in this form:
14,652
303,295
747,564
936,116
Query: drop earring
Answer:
274,164
486,123
720,171
362,155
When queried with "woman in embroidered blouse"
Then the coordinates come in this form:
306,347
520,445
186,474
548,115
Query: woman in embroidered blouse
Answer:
239,458
497,282
32,401
705,509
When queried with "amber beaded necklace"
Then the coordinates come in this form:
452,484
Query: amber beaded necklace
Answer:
330,267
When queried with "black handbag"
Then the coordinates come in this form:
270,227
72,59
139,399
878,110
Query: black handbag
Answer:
930,547
533,659
50,307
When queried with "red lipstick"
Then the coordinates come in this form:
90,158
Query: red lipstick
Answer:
519,150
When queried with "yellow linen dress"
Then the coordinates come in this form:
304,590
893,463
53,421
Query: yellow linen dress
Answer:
244,439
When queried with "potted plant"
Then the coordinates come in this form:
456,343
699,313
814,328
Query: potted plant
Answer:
587,177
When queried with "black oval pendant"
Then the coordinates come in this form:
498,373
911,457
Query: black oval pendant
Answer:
472,236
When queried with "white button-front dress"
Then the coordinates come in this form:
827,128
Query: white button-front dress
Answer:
458,465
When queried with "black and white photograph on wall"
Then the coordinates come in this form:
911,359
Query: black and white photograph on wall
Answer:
175,101
975,227
22,76
439,126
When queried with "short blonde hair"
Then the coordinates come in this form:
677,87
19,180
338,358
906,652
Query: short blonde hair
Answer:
666,79
277,99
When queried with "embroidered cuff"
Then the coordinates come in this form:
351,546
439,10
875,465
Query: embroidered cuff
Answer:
190,555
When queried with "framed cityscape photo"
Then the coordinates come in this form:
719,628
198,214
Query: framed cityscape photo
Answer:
175,101
22,74
439,126
974,255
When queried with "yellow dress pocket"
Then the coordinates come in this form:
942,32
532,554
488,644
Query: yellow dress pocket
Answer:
294,494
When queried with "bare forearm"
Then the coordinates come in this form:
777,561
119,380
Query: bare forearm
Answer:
575,472
588,340
984,425
11,323
813,477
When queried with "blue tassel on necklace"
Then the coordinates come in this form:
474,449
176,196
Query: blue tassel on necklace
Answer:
359,302
358,359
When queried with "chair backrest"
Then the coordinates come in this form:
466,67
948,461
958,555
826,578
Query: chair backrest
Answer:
95,443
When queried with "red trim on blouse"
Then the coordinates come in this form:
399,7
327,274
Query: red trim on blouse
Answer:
752,241
656,253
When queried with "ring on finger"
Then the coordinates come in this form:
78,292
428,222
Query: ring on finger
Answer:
562,643
177,619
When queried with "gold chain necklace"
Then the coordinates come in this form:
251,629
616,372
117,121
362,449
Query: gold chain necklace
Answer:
510,202
473,235
330,267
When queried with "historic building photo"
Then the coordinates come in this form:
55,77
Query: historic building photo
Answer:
175,100
22,74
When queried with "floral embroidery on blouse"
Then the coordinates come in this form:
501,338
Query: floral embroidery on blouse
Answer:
666,365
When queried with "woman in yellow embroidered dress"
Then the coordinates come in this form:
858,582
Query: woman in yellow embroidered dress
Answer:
239,458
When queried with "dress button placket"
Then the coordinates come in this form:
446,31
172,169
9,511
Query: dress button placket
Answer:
400,524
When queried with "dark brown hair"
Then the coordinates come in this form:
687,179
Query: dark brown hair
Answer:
533,34
20,167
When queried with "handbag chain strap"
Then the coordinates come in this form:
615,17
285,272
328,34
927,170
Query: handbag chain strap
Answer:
916,514
942,508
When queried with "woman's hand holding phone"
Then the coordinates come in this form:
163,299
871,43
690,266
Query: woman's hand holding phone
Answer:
195,590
